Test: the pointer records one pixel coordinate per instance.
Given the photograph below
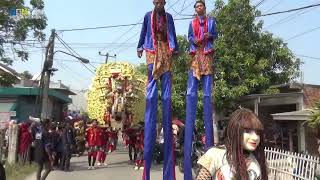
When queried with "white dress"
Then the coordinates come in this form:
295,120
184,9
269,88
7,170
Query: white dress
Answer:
214,160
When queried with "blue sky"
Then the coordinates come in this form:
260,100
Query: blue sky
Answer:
70,14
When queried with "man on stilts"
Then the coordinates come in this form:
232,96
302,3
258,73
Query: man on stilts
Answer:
158,39
201,35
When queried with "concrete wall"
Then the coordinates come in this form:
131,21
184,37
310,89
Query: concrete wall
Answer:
26,106
79,101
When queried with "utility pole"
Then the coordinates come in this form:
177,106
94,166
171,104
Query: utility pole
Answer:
47,70
107,56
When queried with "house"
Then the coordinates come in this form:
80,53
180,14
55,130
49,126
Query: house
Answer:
285,116
8,76
22,98
23,102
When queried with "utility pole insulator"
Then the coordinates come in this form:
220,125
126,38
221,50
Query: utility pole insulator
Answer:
107,56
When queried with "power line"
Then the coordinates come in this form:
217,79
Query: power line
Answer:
179,19
184,2
303,33
75,61
72,52
290,10
138,32
179,13
259,3
134,35
274,6
99,27
310,57
122,35
66,68
73,43
289,18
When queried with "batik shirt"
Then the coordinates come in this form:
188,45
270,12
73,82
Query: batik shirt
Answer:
214,160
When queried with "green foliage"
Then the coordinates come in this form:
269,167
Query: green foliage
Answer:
247,60
142,68
271,90
179,79
314,121
26,75
14,31
6,79
179,83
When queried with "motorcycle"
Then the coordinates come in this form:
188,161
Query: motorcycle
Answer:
197,152
157,154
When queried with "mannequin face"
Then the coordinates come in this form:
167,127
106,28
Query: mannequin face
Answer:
251,140
175,129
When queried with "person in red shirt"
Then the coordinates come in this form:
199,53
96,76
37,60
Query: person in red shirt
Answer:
139,146
102,146
131,137
113,138
25,140
92,138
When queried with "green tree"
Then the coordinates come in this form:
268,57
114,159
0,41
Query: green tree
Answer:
180,77
314,121
247,60
142,68
14,30
26,75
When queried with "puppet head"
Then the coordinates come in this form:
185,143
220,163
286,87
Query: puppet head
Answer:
244,135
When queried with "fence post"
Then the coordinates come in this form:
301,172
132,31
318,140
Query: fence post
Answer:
2,144
13,143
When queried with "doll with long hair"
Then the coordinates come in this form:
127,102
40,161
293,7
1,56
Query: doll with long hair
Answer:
242,157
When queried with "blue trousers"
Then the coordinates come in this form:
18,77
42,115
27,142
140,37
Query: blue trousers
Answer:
150,125
191,109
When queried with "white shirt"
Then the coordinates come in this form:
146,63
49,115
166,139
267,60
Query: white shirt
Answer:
214,160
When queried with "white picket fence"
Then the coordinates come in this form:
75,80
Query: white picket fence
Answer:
285,165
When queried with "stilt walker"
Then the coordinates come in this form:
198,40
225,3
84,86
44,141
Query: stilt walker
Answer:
201,35
158,39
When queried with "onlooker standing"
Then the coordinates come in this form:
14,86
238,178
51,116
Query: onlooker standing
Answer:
59,147
2,172
68,144
43,149
25,139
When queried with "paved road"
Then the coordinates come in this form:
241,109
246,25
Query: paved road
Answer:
117,169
